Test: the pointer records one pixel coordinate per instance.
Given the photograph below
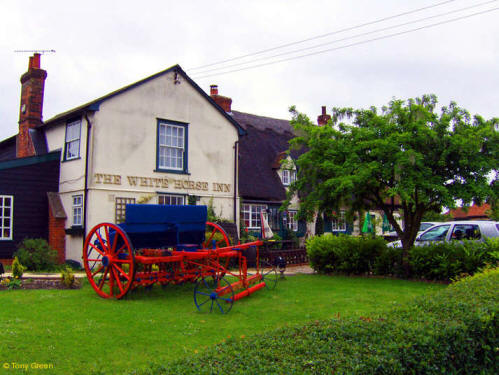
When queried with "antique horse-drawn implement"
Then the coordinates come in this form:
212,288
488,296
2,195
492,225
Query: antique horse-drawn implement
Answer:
161,244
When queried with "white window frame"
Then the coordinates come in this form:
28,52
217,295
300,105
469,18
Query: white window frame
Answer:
288,176
339,222
172,146
292,222
251,215
72,140
77,210
6,219
171,199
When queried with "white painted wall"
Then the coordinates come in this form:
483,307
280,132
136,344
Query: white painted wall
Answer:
123,143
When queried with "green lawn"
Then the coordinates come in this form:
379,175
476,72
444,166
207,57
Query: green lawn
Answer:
80,333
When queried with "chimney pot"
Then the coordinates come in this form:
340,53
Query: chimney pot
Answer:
222,101
323,110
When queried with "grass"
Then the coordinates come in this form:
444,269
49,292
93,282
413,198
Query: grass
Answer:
79,333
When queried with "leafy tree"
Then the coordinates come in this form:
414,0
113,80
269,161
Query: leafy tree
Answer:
405,156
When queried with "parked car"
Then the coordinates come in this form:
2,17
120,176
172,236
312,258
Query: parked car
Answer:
392,236
476,230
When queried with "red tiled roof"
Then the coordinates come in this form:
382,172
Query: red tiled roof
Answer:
474,211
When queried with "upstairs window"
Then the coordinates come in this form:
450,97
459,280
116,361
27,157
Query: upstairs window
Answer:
6,213
288,176
172,147
72,142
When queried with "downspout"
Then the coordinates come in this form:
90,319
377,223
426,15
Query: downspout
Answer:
236,171
85,191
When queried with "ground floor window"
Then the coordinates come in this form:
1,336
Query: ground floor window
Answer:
6,213
292,221
120,208
339,222
251,215
77,209
171,199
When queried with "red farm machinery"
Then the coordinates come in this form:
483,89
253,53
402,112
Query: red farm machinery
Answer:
161,244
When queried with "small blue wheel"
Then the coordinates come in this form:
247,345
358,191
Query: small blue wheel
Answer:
213,295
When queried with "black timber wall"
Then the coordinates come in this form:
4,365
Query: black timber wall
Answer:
28,180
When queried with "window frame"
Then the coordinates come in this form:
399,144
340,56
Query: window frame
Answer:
254,209
171,196
4,217
77,210
288,176
68,142
185,149
292,223
339,222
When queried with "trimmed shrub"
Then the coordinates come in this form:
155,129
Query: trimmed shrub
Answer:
36,255
451,332
344,253
448,260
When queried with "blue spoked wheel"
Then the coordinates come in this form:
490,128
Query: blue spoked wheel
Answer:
212,294
269,274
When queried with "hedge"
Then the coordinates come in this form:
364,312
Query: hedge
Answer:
367,255
454,331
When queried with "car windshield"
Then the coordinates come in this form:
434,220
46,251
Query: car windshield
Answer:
425,226
435,234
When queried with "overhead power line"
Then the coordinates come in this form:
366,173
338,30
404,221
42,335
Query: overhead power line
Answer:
349,45
344,39
322,35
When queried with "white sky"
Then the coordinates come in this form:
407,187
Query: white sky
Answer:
104,45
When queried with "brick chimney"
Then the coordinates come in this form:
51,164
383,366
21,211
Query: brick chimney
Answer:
222,101
323,118
30,112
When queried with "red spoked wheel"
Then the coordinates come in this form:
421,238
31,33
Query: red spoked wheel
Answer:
215,237
108,260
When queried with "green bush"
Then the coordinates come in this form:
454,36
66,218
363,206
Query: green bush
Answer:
17,268
36,255
448,260
344,253
451,332
67,277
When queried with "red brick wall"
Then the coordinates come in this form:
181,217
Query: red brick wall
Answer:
57,236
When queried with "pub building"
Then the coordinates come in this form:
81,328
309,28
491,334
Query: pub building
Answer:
161,140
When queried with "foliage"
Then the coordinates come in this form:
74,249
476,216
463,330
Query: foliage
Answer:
344,253
435,216
405,152
67,277
449,260
11,282
17,268
451,332
36,255
443,261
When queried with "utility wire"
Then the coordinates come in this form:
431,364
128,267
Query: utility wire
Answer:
322,35
350,45
346,38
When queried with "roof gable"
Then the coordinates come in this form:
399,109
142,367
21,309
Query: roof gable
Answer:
95,104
